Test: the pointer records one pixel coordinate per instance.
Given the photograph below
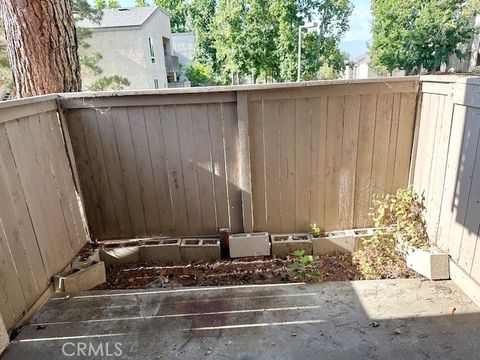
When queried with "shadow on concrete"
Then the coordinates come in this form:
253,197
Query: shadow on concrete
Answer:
384,319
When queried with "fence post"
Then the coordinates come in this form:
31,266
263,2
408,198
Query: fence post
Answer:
245,173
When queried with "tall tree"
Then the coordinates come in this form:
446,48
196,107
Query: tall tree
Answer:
202,13
178,10
259,37
101,4
42,46
412,35
229,31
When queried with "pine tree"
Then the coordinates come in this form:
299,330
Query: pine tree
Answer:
41,67
90,63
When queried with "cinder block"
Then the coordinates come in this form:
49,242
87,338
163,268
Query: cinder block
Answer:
200,249
78,261
250,244
4,338
165,251
361,234
343,241
430,263
286,244
82,278
120,255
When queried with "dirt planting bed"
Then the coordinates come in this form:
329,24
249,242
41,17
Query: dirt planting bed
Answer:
235,272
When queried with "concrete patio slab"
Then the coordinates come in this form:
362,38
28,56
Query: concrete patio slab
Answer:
384,319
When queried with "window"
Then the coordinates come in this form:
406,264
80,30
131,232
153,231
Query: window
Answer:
152,51
156,83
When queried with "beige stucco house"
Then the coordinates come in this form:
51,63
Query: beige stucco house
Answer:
184,47
136,44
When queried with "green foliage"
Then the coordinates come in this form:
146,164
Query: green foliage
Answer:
114,82
303,266
397,215
403,214
258,38
113,4
101,4
178,10
201,17
315,230
5,73
199,74
411,35
141,3
90,63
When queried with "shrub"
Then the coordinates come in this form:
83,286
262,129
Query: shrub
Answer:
199,74
399,214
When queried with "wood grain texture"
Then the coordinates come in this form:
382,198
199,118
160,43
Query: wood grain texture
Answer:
41,226
314,156
447,170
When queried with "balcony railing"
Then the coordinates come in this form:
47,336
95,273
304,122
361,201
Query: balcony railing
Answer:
171,63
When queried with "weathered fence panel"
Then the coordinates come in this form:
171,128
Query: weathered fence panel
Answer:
319,154
41,226
447,167
153,165
268,158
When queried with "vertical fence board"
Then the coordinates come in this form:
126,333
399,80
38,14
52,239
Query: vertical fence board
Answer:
189,167
280,160
114,174
404,140
123,136
383,122
41,226
302,164
348,170
333,160
287,164
143,161
232,159
159,168
89,192
317,167
366,132
272,165
205,168
99,171
258,162
215,119
174,166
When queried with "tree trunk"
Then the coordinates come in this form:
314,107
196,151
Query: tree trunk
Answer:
42,46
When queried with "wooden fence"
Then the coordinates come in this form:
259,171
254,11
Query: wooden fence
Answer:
447,167
270,158
41,227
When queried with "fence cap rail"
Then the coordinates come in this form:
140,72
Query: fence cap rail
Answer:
27,101
236,88
460,79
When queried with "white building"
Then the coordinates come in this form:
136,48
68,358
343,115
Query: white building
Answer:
361,68
184,47
135,44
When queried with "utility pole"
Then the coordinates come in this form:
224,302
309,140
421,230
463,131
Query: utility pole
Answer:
299,54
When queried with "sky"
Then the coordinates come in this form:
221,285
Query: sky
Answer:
355,40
